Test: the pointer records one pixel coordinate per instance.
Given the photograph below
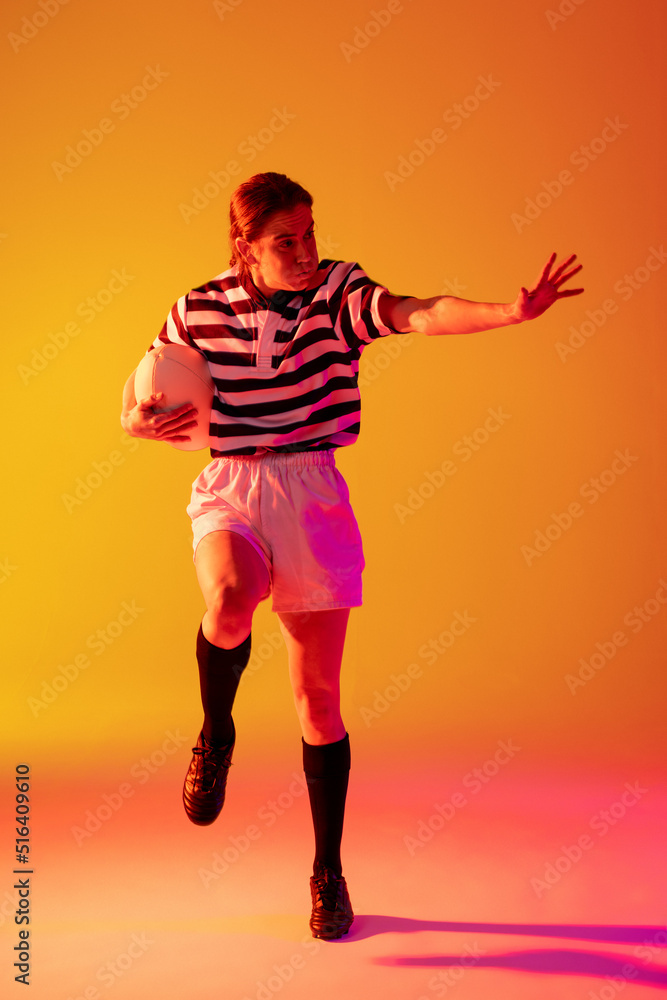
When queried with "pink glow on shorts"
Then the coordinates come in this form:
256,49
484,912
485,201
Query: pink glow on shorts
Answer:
294,509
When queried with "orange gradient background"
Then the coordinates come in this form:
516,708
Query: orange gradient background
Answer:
475,215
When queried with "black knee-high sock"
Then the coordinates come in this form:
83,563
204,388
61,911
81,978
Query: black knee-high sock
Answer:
219,675
327,770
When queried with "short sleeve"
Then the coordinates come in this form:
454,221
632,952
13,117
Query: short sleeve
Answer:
175,328
357,305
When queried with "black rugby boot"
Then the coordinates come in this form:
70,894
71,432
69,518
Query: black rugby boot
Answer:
332,914
206,780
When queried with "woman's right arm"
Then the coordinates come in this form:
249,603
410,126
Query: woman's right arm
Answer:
143,419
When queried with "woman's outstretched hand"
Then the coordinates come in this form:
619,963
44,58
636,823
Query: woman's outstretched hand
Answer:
531,304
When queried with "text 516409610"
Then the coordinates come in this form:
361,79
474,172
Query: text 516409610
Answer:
22,885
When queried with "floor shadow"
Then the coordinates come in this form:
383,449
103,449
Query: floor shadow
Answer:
369,925
553,961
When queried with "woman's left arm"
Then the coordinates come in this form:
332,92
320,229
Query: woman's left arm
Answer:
447,314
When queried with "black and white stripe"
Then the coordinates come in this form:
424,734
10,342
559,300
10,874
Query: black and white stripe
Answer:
285,370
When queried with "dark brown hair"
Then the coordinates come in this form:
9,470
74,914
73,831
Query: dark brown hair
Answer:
255,201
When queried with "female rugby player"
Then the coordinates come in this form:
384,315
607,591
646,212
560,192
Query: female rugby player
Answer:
282,334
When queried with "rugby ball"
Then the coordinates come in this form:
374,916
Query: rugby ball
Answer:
183,375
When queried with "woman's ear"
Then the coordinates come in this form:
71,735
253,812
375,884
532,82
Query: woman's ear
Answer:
244,250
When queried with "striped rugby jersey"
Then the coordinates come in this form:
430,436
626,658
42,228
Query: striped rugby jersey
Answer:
285,369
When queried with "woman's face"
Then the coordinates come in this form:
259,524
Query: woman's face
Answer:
285,255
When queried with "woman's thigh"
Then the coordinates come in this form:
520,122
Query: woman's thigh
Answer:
233,579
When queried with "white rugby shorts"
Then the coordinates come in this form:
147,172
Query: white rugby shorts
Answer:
294,509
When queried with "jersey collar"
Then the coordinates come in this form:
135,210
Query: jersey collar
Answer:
280,298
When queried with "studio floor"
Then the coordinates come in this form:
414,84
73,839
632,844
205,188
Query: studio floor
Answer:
501,886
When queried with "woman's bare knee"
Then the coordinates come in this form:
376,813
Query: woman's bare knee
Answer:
233,580
229,611
319,715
